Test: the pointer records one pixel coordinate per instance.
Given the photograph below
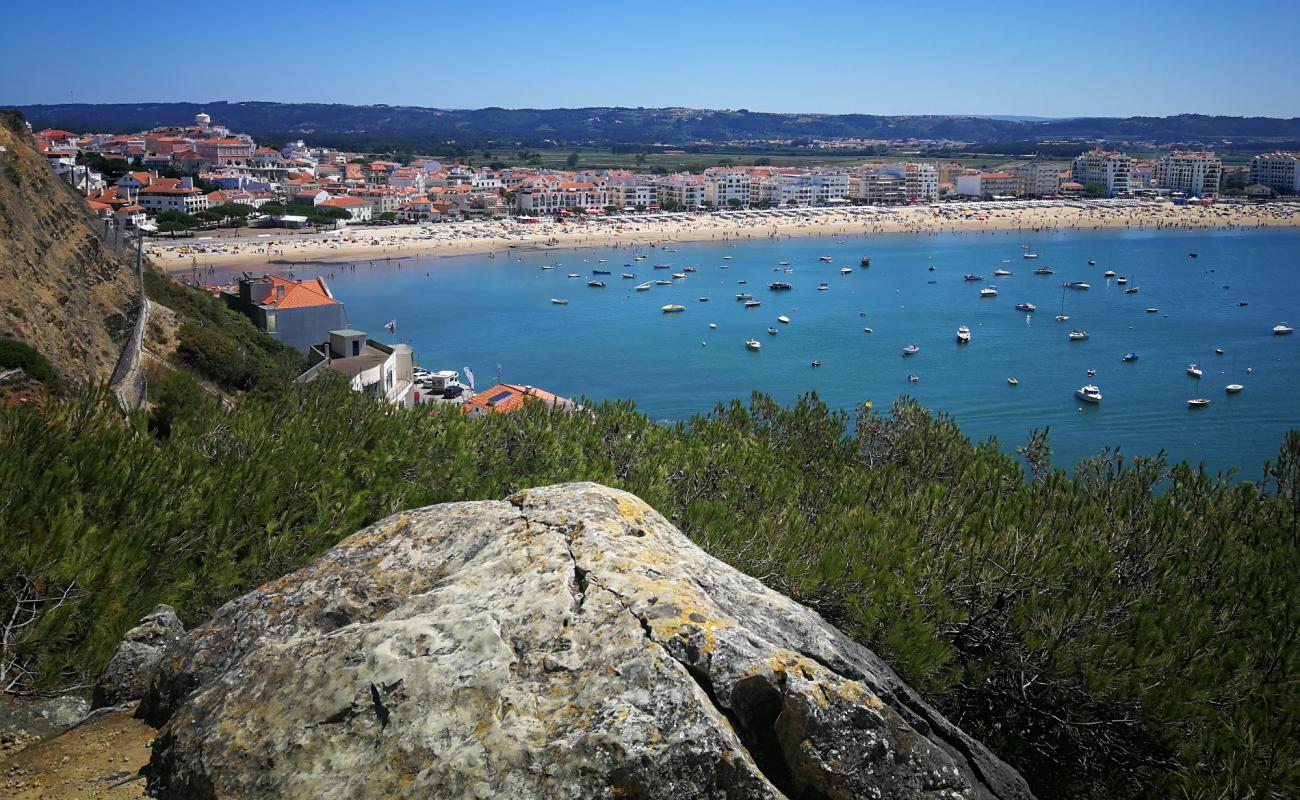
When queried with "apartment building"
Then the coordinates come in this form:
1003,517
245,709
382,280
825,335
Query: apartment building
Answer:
726,187
989,184
920,181
172,194
876,187
1279,171
1038,179
1196,173
1110,169
681,191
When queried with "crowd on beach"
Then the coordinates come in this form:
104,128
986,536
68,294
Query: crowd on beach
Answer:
250,248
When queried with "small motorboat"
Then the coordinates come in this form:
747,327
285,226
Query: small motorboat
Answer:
640,258
547,266
1027,307
783,319
1044,271
752,344
673,309
823,287
971,277
679,276
745,296
1130,357
1121,280
559,301
1193,255
1092,263
741,283
600,272
816,364
689,268
574,275
1078,336
783,263
1282,329
1062,317
824,259
1233,388
601,260
867,330
629,276
713,326
911,350
1194,370
913,378
989,291
1029,255
1198,402
643,287
931,269
1092,373
963,335
846,271
704,299
1218,351
865,262
771,331
726,258
1110,273
1243,304
1080,285
1153,311
1002,272
1131,290
662,282
596,284
780,286
752,304
1013,382
1088,394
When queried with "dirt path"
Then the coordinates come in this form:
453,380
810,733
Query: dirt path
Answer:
99,760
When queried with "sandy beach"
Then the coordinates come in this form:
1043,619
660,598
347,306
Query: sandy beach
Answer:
255,249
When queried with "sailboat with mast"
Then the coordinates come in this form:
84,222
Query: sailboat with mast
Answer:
1234,387
1062,316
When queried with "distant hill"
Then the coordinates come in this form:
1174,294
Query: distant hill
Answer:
383,127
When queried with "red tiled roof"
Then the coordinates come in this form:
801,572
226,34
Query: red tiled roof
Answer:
509,397
298,294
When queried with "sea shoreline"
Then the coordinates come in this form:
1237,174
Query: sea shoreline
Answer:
247,250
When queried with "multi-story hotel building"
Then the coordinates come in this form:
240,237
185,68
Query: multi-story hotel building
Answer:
1279,171
1195,173
920,181
1109,169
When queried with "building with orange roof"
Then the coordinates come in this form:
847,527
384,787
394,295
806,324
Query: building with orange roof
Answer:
505,398
300,313
358,207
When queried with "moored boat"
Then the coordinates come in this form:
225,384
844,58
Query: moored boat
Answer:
1195,370
1013,381
752,344
600,272
643,287
911,350
559,301
1130,357
1078,336
1198,402
989,291
629,276
1088,394
771,331
1110,273
824,259
673,309
1030,255
963,335
1044,271
745,296
1002,272
780,286
752,304
1233,388
1282,329
972,277
865,262
846,271
663,282
1027,307
596,284
783,319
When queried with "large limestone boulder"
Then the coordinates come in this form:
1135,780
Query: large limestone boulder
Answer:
566,643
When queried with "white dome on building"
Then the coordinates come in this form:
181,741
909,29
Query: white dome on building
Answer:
202,119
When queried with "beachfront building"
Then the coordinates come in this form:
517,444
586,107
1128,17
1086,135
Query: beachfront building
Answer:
875,187
383,371
548,194
296,312
172,194
1279,171
683,191
225,152
1195,173
1038,179
725,188
359,208
1107,168
989,184
920,181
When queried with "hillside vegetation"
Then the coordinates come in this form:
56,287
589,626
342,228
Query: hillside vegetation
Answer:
1129,631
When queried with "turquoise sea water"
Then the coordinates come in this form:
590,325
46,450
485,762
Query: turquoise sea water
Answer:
615,343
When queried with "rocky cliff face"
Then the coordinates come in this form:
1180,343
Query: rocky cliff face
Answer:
62,290
566,643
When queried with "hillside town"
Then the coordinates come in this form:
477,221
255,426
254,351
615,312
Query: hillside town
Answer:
178,177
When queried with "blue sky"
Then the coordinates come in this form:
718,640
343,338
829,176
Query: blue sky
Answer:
1047,58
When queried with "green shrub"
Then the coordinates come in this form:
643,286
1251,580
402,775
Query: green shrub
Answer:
16,354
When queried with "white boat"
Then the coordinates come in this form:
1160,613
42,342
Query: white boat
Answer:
1013,381
783,319
726,258
1198,402
1194,370
629,276
559,301
913,378
771,331
681,276
1233,388
1026,307
643,287
574,275
600,261
1110,273
1002,272
1282,329
752,304
823,287
752,344
1078,336
673,309
963,335
911,350
688,268
547,266
596,284
662,282
783,263
1121,280
824,259
1088,394
1031,255
846,271
989,291
713,326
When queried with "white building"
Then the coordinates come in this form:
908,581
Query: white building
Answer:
726,187
359,208
172,194
383,371
682,191
1196,173
1110,169
989,184
1279,171
876,187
